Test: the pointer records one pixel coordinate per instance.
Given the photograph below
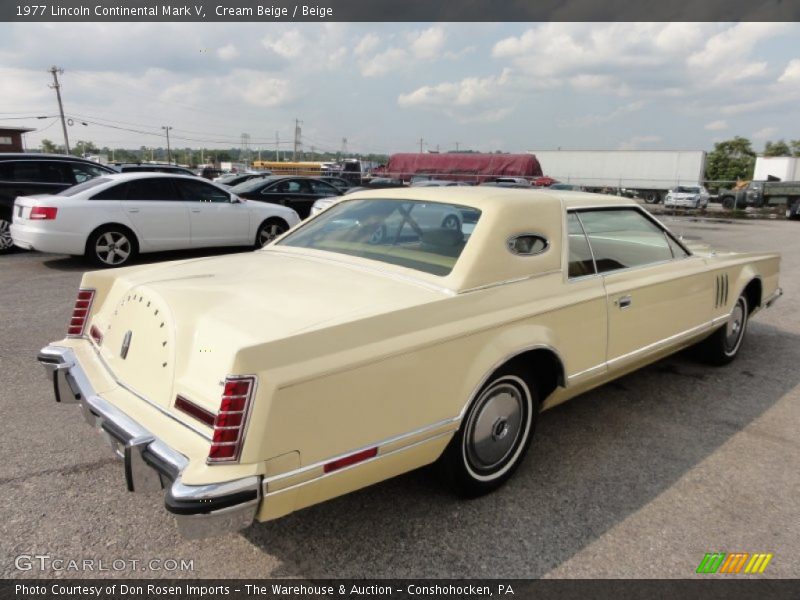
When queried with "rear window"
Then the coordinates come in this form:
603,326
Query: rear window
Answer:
425,236
86,185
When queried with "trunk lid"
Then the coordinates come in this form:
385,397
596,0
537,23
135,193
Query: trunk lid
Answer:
176,329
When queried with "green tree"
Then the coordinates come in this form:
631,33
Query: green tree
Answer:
779,148
82,148
795,144
49,147
731,160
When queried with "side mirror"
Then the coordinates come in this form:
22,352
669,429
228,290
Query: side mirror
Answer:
236,200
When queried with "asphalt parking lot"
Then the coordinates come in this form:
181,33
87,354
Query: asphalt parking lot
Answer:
639,478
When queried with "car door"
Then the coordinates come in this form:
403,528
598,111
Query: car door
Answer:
657,292
158,213
294,193
214,220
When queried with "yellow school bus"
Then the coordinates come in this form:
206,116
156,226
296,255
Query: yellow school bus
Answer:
313,169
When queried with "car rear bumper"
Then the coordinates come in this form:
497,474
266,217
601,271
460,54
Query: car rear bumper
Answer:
150,464
34,237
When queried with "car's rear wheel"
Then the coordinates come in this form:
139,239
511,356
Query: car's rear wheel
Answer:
269,230
6,243
451,222
727,202
722,346
112,246
495,434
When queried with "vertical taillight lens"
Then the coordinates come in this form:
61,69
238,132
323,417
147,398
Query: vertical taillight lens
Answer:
229,425
80,314
43,213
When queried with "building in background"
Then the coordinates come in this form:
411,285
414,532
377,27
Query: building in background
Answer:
11,139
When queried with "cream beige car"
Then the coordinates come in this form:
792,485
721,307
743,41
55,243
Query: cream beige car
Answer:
252,385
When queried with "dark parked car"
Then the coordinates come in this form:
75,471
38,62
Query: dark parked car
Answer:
27,174
233,179
337,182
298,193
152,167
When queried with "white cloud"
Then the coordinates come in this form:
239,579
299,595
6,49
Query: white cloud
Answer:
388,61
637,141
228,52
716,126
765,133
289,44
469,100
367,45
792,72
427,43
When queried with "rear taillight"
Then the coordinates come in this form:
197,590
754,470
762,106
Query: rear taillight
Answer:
83,305
43,213
229,425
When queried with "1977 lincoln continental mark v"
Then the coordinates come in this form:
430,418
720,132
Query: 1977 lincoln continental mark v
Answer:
371,340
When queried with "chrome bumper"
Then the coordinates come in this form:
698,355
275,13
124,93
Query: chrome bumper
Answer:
150,464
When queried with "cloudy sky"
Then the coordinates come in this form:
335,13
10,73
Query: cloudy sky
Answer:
509,86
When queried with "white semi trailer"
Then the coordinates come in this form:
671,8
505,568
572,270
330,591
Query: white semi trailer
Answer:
648,174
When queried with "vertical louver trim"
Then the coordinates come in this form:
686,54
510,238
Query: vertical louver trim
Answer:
721,289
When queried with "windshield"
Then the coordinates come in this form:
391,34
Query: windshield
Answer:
686,190
425,236
86,185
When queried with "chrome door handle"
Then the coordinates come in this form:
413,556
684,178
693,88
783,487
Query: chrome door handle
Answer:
195,210
133,210
623,301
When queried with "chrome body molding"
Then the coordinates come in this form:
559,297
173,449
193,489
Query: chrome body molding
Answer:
315,473
655,346
151,464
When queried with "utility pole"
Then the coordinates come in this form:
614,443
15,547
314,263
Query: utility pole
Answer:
277,146
57,87
421,141
297,134
344,147
169,154
457,143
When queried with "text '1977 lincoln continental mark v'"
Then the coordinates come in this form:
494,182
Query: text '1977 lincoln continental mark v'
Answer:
371,340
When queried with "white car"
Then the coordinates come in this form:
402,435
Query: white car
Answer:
112,218
687,196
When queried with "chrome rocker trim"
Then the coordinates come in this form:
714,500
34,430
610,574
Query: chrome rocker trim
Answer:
150,464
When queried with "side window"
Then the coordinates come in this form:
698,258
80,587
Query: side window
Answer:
157,188
86,172
197,191
624,238
322,188
116,192
54,172
580,255
677,251
7,171
26,170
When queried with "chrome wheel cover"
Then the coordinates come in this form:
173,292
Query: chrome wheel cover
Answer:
495,431
5,235
734,328
113,248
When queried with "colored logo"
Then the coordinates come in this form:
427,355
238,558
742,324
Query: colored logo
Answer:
734,562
